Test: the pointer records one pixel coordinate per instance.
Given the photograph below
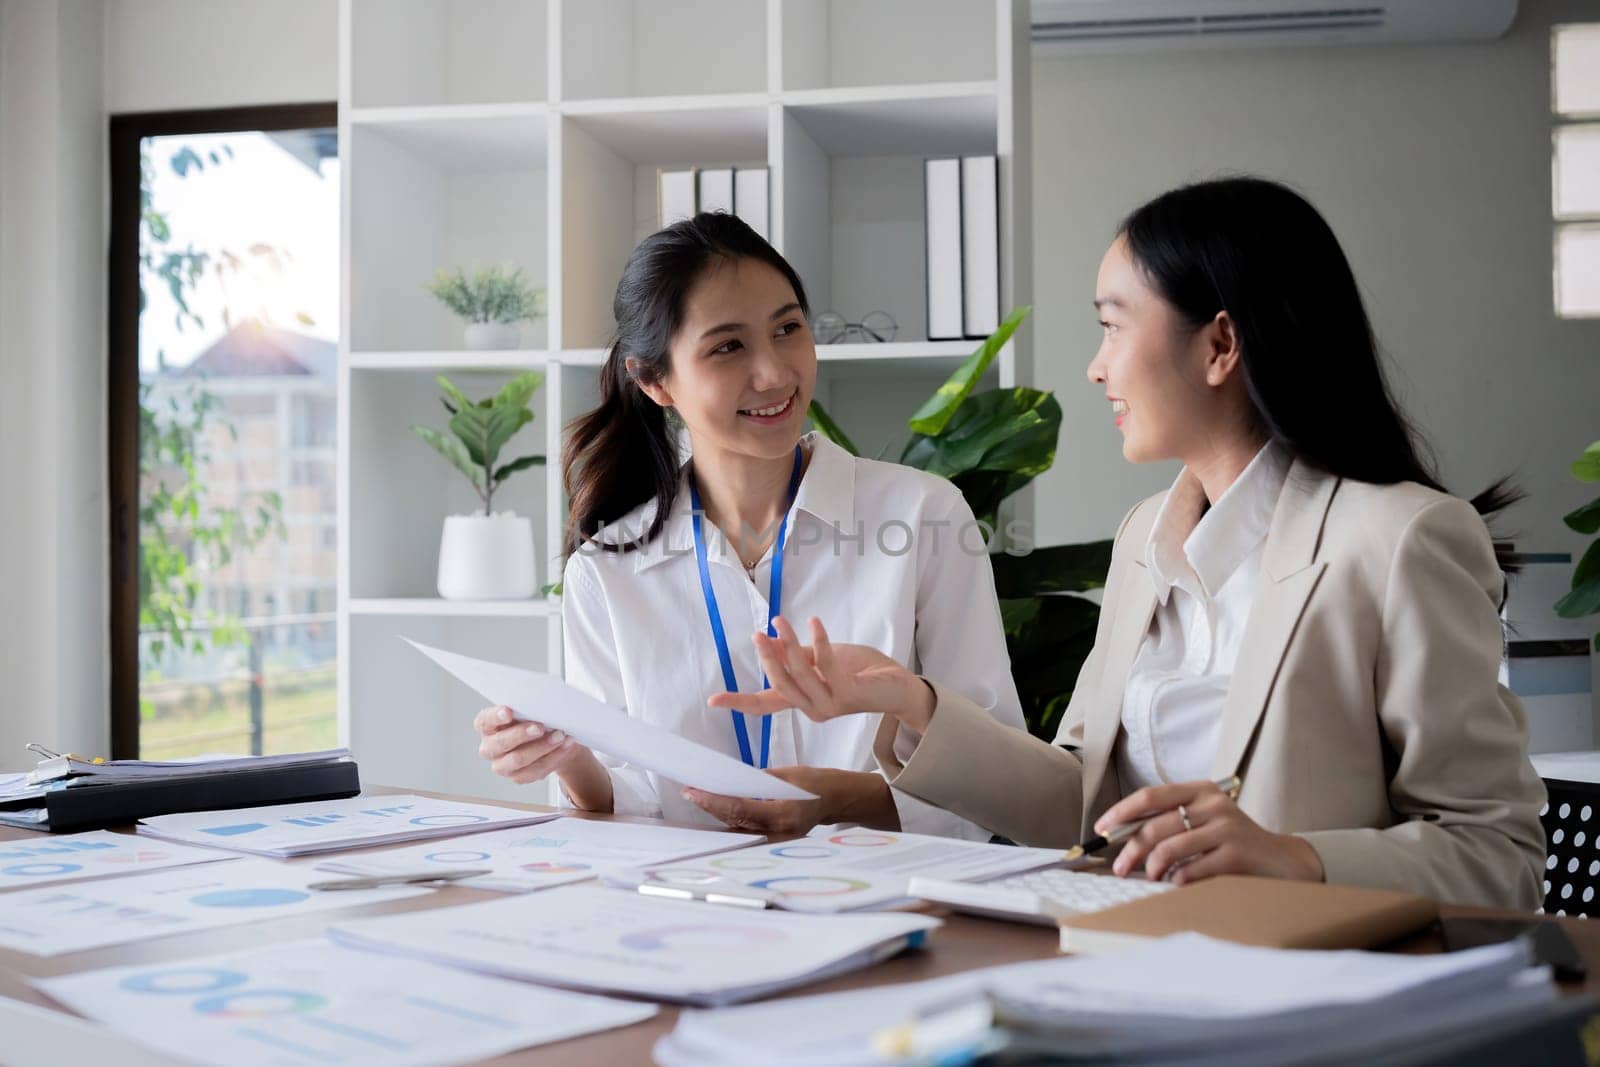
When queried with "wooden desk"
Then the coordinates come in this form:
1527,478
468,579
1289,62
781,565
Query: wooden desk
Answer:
962,944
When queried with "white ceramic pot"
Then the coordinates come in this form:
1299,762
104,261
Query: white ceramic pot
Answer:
487,557
492,335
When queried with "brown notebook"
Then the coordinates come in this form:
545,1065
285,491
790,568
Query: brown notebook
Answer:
1255,911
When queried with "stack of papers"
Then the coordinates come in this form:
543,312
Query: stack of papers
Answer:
15,784
285,830
16,788
1185,996
550,854
55,919
310,1002
836,870
610,941
129,770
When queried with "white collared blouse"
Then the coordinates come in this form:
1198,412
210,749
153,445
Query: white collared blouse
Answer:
1206,567
884,555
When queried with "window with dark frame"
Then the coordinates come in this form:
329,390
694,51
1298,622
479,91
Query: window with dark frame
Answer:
222,386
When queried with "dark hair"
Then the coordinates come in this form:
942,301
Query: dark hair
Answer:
1261,252
622,453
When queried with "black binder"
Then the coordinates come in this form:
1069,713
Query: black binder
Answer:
94,806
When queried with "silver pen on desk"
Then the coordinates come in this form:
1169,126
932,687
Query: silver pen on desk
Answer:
738,900
378,881
689,884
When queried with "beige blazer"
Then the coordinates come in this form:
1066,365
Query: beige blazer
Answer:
1365,712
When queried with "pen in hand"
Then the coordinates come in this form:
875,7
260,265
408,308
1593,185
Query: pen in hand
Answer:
1118,834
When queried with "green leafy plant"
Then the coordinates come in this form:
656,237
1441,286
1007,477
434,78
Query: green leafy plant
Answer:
1584,598
991,444
481,429
183,538
491,294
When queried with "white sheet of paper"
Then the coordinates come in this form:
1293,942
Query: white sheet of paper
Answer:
837,870
37,1034
283,830
51,920
550,854
96,854
538,697
312,1002
614,941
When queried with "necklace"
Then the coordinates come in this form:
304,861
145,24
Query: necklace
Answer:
751,563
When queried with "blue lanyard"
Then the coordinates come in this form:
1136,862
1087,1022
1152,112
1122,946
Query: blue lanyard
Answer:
774,605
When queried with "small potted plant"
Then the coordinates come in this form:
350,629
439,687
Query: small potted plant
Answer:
486,556
494,302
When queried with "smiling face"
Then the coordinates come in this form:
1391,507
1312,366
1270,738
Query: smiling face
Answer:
743,366
1171,386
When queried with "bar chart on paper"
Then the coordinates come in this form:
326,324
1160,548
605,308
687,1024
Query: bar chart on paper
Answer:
288,830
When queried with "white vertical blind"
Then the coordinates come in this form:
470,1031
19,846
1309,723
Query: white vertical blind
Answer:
1578,270
1575,169
1576,56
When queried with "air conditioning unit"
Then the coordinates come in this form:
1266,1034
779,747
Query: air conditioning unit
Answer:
1075,26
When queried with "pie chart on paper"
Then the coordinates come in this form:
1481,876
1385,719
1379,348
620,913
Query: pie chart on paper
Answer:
250,898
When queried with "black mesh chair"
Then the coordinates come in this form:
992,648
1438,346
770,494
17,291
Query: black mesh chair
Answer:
1571,819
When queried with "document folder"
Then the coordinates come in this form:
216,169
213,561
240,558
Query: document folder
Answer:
86,804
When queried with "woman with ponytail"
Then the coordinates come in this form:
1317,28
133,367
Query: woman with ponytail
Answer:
1296,668
674,561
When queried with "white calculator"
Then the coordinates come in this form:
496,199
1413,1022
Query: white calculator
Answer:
1044,897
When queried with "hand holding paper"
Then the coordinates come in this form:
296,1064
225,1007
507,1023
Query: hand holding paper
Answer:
536,696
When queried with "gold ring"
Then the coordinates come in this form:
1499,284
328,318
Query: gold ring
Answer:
1183,813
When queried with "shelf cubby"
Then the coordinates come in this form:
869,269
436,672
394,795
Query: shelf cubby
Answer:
871,402
829,44
852,196
622,49
431,52
401,490
410,722
433,192
609,165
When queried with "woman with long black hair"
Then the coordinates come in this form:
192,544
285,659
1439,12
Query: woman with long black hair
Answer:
1306,607
672,564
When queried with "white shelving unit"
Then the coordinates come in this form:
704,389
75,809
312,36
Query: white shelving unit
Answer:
530,131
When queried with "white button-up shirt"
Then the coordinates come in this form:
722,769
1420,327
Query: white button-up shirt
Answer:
884,555
1206,566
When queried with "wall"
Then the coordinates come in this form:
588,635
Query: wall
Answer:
1433,165
53,542
64,67
173,54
